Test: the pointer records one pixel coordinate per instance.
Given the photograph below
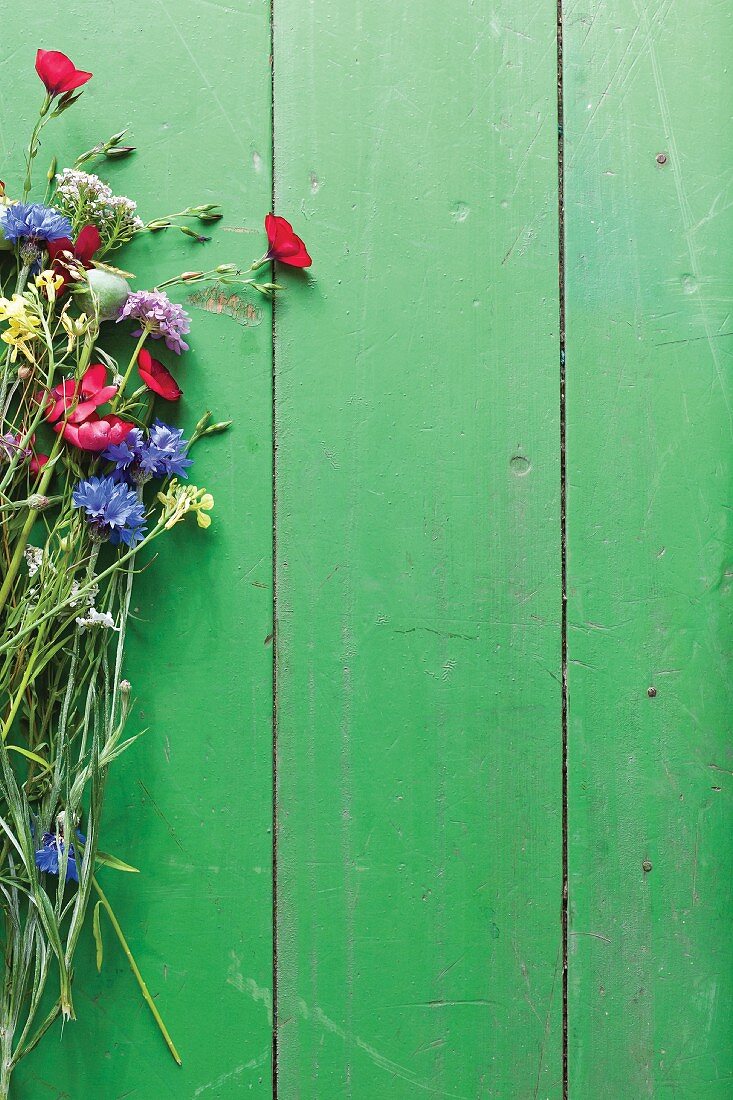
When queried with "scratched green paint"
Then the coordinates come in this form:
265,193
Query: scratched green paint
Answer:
419,750
192,82
418,482
650,427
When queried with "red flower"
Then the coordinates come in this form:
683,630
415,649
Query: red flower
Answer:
58,73
62,252
37,463
285,245
83,426
96,433
157,377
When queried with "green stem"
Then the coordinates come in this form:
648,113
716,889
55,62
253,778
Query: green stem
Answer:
136,971
33,144
138,347
22,278
11,643
27,528
27,676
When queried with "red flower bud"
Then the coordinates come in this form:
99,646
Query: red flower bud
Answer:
58,73
285,246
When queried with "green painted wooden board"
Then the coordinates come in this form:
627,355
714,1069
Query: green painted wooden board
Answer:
417,556
417,400
649,278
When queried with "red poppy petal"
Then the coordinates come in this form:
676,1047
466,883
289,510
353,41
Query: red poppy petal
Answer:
69,432
58,72
87,243
285,245
119,429
105,394
157,377
37,463
60,399
61,244
271,228
296,255
83,410
93,434
94,378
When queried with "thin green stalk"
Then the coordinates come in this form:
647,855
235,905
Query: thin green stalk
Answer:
14,566
136,971
138,347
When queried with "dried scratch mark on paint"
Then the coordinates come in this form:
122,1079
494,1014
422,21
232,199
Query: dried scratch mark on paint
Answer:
161,815
254,1063
257,992
316,1015
219,299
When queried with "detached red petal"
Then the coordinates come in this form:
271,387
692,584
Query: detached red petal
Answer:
59,73
285,246
157,377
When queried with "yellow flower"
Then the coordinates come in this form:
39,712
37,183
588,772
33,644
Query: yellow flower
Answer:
74,326
49,283
181,499
23,326
16,306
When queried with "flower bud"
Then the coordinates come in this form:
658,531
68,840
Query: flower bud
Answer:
227,269
191,276
37,502
220,426
119,151
190,233
25,371
125,687
52,169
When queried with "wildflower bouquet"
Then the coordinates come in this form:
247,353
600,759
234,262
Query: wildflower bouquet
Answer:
90,477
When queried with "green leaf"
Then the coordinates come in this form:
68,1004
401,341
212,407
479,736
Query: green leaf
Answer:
115,863
30,755
97,930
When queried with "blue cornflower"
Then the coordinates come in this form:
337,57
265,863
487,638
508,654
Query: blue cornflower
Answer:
33,222
113,509
172,446
48,856
162,454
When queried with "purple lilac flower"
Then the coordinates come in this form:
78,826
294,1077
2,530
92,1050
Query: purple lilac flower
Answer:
33,222
49,855
160,316
162,454
113,509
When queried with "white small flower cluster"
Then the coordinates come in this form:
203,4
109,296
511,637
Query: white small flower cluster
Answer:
34,558
89,598
96,618
84,197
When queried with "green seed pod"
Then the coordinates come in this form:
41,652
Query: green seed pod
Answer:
111,292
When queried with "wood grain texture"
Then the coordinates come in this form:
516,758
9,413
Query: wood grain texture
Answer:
649,273
191,804
417,430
